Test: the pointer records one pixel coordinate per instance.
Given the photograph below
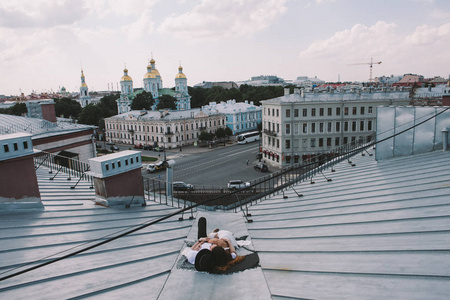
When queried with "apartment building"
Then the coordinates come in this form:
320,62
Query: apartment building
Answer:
298,127
169,129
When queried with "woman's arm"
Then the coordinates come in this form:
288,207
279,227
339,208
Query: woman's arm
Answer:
199,243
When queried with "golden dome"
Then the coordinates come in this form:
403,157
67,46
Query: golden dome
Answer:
152,61
125,70
156,72
180,73
126,78
149,75
84,85
82,74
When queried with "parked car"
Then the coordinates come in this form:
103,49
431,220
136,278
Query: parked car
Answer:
237,184
261,167
140,146
110,143
155,167
159,149
114,148
182,186
148,147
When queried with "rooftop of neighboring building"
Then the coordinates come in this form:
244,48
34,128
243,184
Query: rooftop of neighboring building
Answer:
163,115
231,106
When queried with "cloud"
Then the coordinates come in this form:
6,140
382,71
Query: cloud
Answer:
417,51
213,19
39,13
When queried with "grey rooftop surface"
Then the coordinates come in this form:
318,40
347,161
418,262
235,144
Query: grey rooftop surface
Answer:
378,230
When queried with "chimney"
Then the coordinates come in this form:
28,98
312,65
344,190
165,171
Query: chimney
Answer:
48,112
286,91
17,173
118,178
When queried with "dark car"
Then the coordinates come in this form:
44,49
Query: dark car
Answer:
114,148
140,146
182,186
159,149
148,147
110,143
261,167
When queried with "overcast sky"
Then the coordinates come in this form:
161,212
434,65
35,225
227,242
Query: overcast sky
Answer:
44,43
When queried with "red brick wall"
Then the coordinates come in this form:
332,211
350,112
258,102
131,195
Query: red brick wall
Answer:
121,185
18,178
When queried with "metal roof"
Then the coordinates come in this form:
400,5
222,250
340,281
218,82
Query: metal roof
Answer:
37,127
377,230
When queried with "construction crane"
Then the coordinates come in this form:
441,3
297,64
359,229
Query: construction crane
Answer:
371,65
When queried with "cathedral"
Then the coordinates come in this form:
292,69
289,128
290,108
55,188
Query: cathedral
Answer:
153,84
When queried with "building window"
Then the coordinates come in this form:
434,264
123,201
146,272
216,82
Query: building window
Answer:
353,139
126,162
278,127
25,145
321,127
288,113
369,125
338,126
370,110
288,159
336,141
313,127
328,142
295,113
345,111
361,126
268,111
277,112
354,110
264,111
288,128
346,126
288,144
362,110
313,142
345,140
321,142
305,128
338,111
329,125
313,112
321,111
354,126
330,111
278,143
305,112
6,148
16,146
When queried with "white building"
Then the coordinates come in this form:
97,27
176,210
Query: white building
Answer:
169,129
297,127
240,116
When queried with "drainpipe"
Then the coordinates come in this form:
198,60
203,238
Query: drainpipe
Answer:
445,139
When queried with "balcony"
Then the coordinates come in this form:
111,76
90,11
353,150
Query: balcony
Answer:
271,133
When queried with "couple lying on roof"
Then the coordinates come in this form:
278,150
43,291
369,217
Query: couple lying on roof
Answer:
212,251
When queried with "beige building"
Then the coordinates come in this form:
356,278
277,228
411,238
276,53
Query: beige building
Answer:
169,129
297,127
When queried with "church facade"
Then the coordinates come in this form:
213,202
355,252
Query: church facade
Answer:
84,99
152,83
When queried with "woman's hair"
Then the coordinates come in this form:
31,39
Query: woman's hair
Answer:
220,256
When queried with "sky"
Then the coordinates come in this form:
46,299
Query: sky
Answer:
44,44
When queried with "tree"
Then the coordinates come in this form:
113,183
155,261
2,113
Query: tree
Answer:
143,100
205,136
67,107
220,133
91,115
228,131
17,109
108,105
167,101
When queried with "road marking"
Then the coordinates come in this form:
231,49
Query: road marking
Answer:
249,150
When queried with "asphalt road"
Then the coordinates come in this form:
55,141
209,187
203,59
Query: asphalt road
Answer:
214,167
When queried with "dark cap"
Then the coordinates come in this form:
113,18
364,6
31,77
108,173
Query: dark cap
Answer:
204,261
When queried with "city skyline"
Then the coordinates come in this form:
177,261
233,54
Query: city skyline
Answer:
45,44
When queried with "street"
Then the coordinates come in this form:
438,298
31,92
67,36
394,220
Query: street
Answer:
213,167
